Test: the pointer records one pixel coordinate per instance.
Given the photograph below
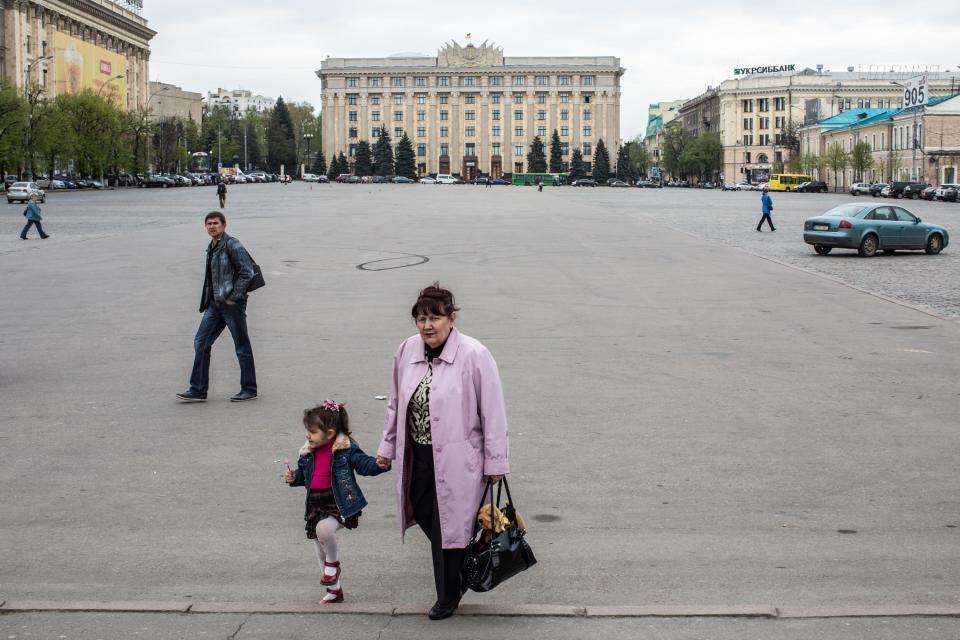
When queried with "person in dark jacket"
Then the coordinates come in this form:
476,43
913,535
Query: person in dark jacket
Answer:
33,218
766,208
224,305
222,192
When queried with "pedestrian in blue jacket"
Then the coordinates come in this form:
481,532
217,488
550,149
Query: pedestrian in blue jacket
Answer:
33,218
766,207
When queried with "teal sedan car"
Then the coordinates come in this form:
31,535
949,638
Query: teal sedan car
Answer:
871,228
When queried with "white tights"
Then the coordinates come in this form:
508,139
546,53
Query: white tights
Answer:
327,548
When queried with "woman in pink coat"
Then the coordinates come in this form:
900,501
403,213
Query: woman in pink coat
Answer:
446,426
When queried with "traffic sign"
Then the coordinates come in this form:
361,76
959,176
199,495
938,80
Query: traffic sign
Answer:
915,91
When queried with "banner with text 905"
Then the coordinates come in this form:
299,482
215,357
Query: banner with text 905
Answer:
915,91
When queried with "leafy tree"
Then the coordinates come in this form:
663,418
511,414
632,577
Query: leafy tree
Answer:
702,156
304,120
675,140
601,162
319,165
894,164
838,160
12,115
861,158
281,150
556,153
363,162
639,156
406,159
536,158
383,154
91,121
576,166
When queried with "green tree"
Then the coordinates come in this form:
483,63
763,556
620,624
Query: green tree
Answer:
556,153
406,160
639,156
363,161
304,120
703,156
837,160
281,150
861,158
12,115
383,154
343,165
320,164
894,165
334,170
674,141
601,162
625,168
576,166
91,122
536,157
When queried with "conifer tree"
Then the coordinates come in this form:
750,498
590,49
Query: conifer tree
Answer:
383,155
624,164
601,162
320,165
334,170
576,166
536,158
556,153
362,162
406,159
280,147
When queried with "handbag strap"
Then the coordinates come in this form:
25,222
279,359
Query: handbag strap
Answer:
483,496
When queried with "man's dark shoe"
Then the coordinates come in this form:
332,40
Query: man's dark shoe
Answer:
243,396
192,396
440,611
45,237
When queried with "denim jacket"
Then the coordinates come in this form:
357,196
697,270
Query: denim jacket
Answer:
231,269
32,211
348,458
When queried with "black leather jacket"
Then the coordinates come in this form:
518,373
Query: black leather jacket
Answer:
231,269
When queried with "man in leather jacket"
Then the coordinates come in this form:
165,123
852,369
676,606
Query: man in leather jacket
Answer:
224,305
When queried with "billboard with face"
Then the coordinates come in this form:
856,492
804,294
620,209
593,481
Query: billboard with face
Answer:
81,65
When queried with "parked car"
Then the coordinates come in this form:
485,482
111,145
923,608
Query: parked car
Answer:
23,190
156,181
942,189
402,180
814,186
870,228
617,183
427,180
446,178
648,184
498,181
584,182
929,193
876,188
308,177
728,186
343,177
950,194
895,189
913,191
860,189
481,180
8,181
322,179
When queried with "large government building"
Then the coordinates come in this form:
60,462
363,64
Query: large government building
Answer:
70,45
471,110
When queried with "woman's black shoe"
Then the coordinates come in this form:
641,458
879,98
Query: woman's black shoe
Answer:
440,611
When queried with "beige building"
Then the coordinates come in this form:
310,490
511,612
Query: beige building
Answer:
170,101
756,110
891,133
471,110
66,46
239,100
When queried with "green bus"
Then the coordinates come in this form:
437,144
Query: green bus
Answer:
532,179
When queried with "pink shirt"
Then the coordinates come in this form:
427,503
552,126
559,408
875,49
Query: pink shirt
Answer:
322,465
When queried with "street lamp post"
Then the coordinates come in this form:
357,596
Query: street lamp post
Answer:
26,73
308,137
104,85
149,100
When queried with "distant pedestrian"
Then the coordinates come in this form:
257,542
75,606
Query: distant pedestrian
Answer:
334,500
32,212
540,185
489,181
222,192
223,303
766,207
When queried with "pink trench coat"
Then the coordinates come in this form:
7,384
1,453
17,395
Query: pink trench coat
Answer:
468,427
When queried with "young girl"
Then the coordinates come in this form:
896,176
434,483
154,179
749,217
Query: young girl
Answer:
326,468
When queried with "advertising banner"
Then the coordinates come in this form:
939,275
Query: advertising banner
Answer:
81,65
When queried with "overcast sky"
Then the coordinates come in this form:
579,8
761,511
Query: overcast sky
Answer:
673,50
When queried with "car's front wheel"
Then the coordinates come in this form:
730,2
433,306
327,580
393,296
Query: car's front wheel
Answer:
934,244
43,199
868,246
822,250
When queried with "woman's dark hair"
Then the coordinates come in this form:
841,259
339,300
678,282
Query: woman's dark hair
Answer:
326,416
434,300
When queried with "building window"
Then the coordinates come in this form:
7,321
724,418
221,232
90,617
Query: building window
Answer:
353,151
421,149
587,148
495,132
587,114
421,116
376,132
541,115
495,98
496,148
375,100
747,106
398,133
375,116
518,150
470,149
518,167
586,81
518,115
542,132
541,81
444,99
470,99
778,122
564,98
444,115
496,81
564,114
421,132
518,98
541,98
468,81
353,132
443,81
420,81
496,114
518,81
518,131
563,81
564,130
444,132
779,104
470,132
398,99
565,148
351,82
764,123
444,149
353,116
748,123
748,141
398,116
352,100
421,98
763,104
587,132
396,82
470,115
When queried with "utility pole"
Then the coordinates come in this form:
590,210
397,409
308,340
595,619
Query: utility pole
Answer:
246,165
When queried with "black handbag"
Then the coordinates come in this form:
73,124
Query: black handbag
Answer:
490,562
257,280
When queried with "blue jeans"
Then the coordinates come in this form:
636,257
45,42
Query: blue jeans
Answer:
26,227
215,319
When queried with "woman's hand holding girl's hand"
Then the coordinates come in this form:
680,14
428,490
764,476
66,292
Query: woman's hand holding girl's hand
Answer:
289,476
384,463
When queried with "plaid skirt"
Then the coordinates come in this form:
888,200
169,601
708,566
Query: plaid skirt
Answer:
321,504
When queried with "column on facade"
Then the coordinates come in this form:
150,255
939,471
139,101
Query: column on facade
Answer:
456,127
483,126
433,124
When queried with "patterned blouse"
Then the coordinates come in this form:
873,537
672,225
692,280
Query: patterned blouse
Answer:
418,411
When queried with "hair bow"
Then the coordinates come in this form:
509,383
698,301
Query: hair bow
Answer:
330,405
